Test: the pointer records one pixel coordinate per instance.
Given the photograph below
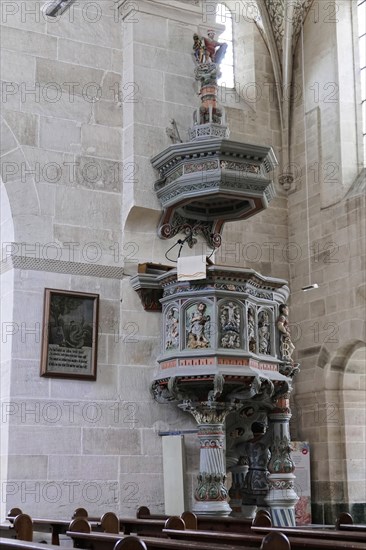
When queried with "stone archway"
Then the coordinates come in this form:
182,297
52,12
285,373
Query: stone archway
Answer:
325,415
19,186
344,379
353,423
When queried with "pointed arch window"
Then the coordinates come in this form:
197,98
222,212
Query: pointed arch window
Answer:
225,17
361,17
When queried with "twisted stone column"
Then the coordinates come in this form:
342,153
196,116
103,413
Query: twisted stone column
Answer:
211,493
281,496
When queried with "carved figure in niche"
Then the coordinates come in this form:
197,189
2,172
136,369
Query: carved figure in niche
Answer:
264,336
286,345
251,331
230,317
230,325
197,327
230,341
172,329
257,451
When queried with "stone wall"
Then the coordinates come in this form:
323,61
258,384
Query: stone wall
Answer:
329,321
63,175
261,242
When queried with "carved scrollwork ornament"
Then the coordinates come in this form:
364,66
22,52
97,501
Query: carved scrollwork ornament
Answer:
211,487
161,394
289,369
206,412
281,484
211,443
281,461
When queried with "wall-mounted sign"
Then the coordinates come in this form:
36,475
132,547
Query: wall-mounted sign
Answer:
301,457
69,341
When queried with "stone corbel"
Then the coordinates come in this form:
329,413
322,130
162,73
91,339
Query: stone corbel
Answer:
147,285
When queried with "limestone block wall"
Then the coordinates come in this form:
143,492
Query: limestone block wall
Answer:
261,242
64,442
329,322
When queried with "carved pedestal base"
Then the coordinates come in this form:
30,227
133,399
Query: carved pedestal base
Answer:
282,499
211,508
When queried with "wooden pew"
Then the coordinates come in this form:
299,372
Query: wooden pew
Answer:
325,534
212,523
314,541
345,523
107,541
149,524
140,526
14,512
7,530
24,526
80,513
128,543
109,522
144,513
16,544
273,541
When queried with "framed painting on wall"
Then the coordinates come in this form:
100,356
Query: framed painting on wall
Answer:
69,337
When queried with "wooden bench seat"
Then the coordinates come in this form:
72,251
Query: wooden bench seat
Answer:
106,541
326,534
7,530
144,520
209,523
128,543
16,544
345,523
59,527
244,540
24,526
353,527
